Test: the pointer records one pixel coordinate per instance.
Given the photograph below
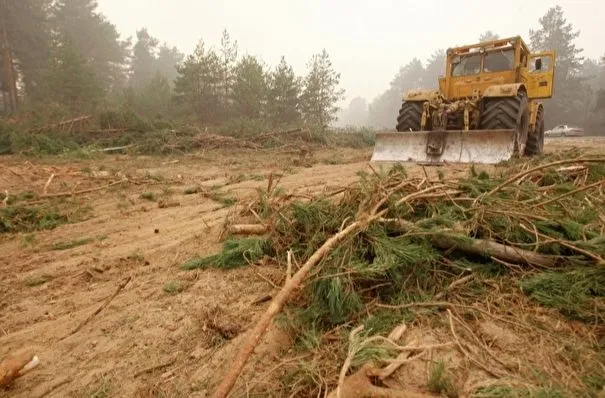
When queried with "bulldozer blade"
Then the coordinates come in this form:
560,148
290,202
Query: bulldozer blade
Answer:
457,146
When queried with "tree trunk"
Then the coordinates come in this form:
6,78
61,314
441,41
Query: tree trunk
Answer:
9,81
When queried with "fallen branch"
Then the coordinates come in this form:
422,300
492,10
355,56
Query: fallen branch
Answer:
465,352
61,124
50,179
575,191
452,285
347,364
248,229
164,204
566,244
401,360
488,248
17,365
447,304
218,140
63,194
289,266
276,133
278,302
397,333
101,307
55,386
106,131
446,240
115,148
150,369
537,168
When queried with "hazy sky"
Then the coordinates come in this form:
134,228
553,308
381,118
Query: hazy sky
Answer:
367,40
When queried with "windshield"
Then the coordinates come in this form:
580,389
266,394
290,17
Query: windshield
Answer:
499,61
469,65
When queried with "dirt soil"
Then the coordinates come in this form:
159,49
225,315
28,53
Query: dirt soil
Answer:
168,332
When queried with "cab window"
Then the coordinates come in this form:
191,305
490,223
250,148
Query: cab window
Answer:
499,61
546,64
469,64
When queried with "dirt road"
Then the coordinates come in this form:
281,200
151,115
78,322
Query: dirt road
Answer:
158,336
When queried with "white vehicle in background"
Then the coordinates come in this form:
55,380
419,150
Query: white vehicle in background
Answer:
564,130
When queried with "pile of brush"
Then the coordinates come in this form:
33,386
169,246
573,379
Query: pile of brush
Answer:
368,252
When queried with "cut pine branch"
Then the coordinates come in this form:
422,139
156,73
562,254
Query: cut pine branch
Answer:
447,240
248,229
279,301
538,168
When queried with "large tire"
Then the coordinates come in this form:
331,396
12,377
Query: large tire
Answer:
535,141
410,117
508,113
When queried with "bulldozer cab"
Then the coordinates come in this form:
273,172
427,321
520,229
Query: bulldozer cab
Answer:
471,70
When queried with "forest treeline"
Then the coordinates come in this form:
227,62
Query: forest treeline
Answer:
64,58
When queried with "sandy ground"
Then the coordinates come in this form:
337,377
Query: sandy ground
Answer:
157,336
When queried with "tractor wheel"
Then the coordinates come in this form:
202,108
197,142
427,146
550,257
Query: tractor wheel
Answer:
535,141
410,116
508,113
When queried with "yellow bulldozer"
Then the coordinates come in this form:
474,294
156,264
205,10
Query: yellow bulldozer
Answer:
486,110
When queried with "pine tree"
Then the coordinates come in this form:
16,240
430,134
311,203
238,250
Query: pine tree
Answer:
384,109
488,36
24,48
601,74
249,88
94,37
599,108
199,84
555,33
72,81
321,92
284,95
144,60
356,114
435,68
155,98
228,58
167,61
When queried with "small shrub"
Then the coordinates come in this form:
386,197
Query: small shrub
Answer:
28,240
151,196
126,119
440,382
136,256
236,253
33,281
29,219
174,287
191,191
222,198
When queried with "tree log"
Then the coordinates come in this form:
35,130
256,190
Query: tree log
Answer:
248,229
447,240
